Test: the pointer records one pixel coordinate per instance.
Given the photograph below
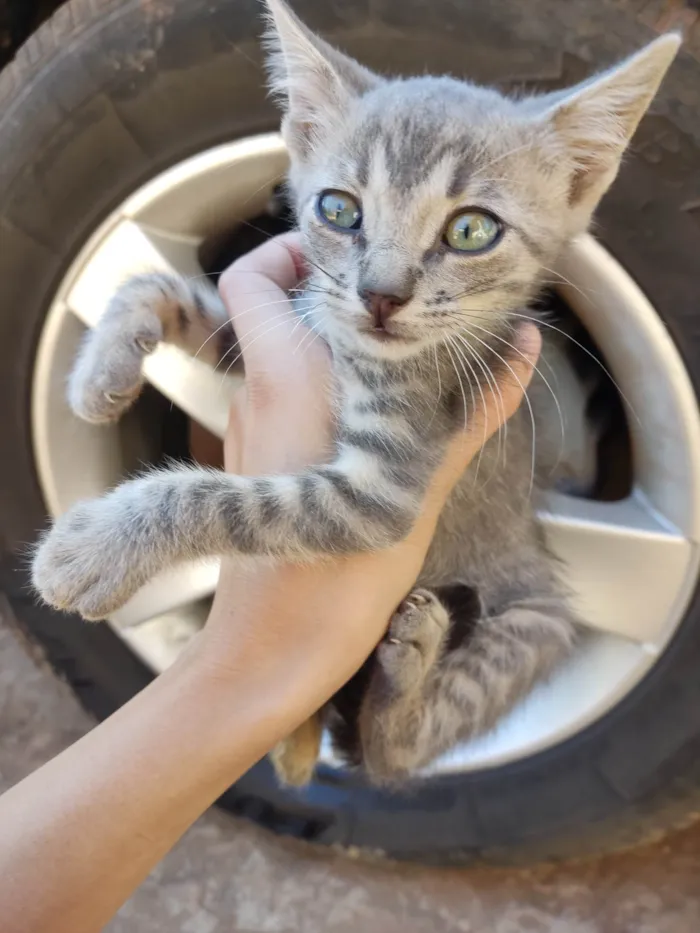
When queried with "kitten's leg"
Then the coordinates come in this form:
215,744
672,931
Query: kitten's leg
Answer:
97,555
406,661
421,701
148,309
100,552
294,758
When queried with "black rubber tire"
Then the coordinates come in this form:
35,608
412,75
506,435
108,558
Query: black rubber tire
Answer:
110,92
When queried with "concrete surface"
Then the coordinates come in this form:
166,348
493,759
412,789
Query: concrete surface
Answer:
227,876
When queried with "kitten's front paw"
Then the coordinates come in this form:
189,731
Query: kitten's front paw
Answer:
413,643
107,378
85,565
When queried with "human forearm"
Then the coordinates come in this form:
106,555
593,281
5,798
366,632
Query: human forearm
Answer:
82,832
78,836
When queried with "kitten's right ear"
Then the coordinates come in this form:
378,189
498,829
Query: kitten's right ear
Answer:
594,122
313,81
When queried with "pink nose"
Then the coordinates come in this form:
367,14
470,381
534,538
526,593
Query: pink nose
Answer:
381,306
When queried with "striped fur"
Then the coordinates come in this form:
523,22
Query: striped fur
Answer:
412,151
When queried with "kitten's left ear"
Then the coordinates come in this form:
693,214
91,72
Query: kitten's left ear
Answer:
595,121
314,82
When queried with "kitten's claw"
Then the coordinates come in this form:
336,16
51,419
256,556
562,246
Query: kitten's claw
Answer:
100,396
147,346
83,564
417,598
114,400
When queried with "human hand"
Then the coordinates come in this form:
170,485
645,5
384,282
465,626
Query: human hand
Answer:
281,420
306,629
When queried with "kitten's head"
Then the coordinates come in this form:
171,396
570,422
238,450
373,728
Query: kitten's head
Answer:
430,206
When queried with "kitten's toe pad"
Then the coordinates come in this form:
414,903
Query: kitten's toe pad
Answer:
420,620
82,564
414,640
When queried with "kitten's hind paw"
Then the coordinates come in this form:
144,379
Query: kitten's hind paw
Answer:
413,642
83,564
396,695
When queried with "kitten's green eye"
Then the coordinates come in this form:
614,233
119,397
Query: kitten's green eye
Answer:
471,232
340,210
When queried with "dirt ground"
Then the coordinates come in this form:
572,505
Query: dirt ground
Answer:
227,876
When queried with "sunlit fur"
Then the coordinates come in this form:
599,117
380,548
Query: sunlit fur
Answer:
490,617
413,151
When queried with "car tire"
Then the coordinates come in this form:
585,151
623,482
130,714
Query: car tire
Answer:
110,92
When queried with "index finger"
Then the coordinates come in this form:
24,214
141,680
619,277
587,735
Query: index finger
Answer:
255,291
280,260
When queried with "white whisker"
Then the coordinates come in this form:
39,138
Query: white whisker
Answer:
305,337
280,320
439,382
468,365
536,320
492,384
316,335
543,378
459,378
501,157
229,321
525,397
561,278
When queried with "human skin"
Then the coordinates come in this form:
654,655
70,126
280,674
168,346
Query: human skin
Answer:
81,833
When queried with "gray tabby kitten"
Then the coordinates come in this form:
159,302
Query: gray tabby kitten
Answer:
430,210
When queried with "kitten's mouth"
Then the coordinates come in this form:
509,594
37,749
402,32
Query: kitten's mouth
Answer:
383,335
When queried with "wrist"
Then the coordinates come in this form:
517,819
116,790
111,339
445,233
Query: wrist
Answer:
294,633
248,684
224,718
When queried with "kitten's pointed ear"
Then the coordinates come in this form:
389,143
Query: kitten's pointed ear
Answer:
314,82
595,121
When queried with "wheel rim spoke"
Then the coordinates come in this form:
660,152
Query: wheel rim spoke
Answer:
213,191
128,249
168,592
159,641
162,617
664,423
625,565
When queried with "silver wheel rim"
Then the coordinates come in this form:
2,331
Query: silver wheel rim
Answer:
633,564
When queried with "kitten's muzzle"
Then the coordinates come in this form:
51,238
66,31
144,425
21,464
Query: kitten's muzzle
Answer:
382,306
